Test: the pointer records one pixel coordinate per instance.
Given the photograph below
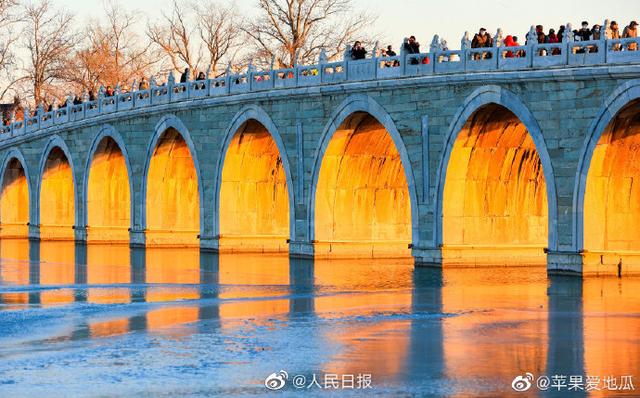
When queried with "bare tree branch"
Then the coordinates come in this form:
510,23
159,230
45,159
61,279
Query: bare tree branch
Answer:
9,17
173,38
112,53
291,30
49,40
219,31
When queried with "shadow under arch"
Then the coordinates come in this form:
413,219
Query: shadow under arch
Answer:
494,95
624,95
351,106
54,142
14,155
245,116
169,123
107,132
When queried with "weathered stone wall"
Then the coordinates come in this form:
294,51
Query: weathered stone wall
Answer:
562,109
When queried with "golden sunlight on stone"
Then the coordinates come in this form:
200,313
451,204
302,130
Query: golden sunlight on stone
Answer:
254,201
57,197
612,197
108,194
14,201
362,197
173,204
495,198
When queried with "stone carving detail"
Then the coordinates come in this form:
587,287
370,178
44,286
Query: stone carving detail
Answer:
465,43
435,44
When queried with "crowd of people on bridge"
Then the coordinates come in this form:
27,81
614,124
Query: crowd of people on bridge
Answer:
411,47
483,39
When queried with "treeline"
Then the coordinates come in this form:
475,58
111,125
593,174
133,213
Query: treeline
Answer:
47,53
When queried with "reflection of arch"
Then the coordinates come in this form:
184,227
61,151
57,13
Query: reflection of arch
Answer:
107,131
15,155
622,96
244,116
479,98
362,104
167,123
55,142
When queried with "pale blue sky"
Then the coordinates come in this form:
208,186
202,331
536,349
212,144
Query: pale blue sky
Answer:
448,18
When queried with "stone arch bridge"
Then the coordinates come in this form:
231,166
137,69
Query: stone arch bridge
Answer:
454,160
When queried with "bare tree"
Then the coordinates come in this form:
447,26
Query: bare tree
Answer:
112,52
173,37
8,38
219,30
298,30
49,41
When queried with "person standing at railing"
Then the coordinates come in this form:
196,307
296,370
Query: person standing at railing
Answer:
552,38
358,52
584,34
541,38
143,85
412,47
612,33
631,31
184,76
390,53
481,39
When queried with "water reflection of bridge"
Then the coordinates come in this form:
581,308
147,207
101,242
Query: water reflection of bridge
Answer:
383,318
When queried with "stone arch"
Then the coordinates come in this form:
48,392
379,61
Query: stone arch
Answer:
355,104
482,97
624,95
245,115
14,154
55,142
107,132
167,123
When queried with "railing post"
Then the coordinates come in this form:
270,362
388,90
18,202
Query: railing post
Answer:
12,121
68,106
171,81
100,97
25,119
39,111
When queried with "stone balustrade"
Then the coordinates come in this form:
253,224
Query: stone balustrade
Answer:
471,60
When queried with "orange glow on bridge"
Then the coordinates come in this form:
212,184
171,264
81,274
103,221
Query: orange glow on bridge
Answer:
57,197
14,201
173,204
495,198
612,197
254,201
108,194
362,196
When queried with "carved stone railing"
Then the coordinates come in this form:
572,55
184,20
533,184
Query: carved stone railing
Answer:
528,57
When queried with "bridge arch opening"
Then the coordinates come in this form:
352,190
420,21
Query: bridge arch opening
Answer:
495,205
362,203
57,197
14,201
108,194
612,194
254,197
172,197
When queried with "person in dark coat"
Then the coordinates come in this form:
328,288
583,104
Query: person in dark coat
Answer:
184,76
358,52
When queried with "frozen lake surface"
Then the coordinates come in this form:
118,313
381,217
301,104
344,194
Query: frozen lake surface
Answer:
106,321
